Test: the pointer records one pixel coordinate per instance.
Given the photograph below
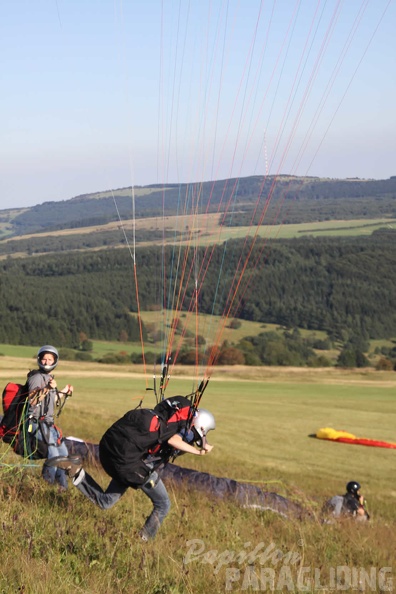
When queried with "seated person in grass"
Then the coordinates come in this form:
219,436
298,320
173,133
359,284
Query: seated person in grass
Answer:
352,504
135,447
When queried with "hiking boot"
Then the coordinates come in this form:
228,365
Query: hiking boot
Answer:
70,464
144,536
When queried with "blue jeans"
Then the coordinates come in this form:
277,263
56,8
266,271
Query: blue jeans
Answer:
154,488
52,474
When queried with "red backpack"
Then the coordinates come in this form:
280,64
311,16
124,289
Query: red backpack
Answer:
15,397
14,425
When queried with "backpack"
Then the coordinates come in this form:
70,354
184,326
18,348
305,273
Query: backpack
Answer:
14,426
14,404
334,506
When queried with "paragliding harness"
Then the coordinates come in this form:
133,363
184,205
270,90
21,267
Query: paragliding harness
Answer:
16,426
168,454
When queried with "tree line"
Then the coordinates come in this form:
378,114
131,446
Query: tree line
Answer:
345,286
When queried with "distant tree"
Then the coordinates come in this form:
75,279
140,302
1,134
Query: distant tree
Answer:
115,358
123,336
235,324
87,345
83,356
384,364
149,357
351,357
252,359
346,358
231,356
82,336
321,344
67,354
187,357
359,342
320,361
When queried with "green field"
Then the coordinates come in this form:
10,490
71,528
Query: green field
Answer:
208,326
62,543
334,228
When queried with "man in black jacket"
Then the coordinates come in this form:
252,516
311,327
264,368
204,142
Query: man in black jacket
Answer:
135,447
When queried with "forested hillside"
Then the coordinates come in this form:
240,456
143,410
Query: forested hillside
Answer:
290,200
344,286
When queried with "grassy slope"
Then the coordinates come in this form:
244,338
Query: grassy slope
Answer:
60,542
208,326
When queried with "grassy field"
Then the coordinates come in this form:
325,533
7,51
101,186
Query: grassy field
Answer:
59,542
204,230
208,326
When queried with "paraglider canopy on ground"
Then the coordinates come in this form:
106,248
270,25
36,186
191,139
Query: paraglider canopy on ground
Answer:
345,437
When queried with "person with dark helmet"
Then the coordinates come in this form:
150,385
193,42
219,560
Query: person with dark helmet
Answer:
352,504
44,399
135,448
354,501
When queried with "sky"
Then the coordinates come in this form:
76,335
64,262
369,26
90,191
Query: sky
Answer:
104,94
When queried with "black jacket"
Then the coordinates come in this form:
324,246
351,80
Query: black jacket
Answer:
139,433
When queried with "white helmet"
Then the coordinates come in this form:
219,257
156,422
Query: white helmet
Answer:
47,348
203,421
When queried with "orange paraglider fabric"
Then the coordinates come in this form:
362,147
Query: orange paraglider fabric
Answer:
345,437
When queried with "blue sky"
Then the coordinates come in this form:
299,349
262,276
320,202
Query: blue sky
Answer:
103,94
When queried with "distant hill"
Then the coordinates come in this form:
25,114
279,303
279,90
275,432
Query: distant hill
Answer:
292,200
341,284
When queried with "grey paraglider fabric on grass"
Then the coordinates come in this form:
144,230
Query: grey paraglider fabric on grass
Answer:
244,494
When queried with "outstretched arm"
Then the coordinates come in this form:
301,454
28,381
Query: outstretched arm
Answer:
177,443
